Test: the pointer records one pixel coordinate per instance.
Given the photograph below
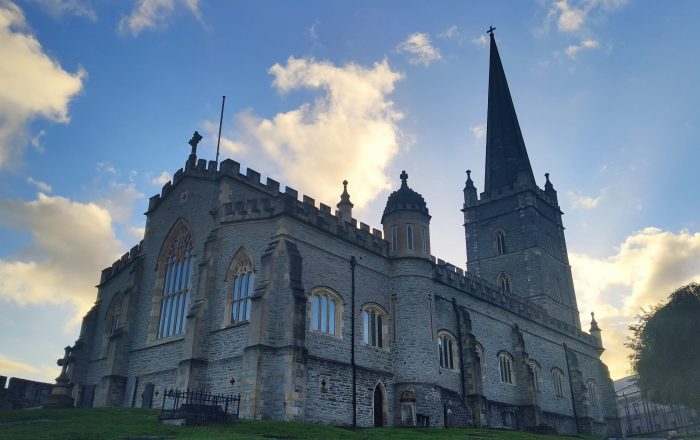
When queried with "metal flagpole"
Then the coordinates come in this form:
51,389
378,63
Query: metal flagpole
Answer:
216,167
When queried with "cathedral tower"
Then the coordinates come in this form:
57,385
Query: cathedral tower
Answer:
514,232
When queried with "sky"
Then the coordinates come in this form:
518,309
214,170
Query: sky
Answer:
99,98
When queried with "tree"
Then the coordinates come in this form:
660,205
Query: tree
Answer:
666,349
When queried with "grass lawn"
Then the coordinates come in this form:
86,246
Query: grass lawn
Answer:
113,423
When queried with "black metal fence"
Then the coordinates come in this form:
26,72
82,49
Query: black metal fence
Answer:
196,407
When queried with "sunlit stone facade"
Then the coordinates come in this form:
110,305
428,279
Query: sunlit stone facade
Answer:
238,287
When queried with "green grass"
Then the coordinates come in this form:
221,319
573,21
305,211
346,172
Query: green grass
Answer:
113,423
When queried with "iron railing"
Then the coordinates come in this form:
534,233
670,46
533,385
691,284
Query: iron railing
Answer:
199,406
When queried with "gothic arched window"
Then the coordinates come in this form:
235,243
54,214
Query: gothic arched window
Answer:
558,380
592,393
500,237
503,282
447,346
241,279
505,361
176,261
374,321
326,311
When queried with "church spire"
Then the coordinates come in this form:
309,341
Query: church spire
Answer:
506,156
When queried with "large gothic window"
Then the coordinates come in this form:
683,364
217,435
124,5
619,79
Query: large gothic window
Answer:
558,379
500,237
503,282
326,312
240,288
447,346
505,361
375,327
175,294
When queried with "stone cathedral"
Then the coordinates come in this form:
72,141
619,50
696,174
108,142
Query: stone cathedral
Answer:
239,287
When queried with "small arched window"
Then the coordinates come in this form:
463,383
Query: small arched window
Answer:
505,361
326,312
500,237
536,375
447,346
503,282
176,261
558,379
241,279
592,393
409,237
374,321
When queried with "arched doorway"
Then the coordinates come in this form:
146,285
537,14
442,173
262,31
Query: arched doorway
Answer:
378,405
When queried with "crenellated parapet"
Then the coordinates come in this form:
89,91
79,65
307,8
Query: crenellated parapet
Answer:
121,263
273,202
478,287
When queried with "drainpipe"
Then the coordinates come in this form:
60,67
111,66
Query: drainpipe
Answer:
571,387
353,262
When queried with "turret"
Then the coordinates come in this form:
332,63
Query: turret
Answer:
549,191
470,197
406,222
345,206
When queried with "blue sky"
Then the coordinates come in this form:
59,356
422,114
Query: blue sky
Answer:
99,98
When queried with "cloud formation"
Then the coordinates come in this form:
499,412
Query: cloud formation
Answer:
648,266
571,16
479,131
580,201
162,179
572,50
154,14
78,8
419,48
34,85
71,242
41,186
350,131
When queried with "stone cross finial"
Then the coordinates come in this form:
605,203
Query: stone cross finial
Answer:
469,174
546,176
490,31
345,185
404,177
63,363
196,137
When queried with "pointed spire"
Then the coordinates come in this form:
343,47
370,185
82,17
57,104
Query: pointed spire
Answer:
470,198
594,324
506,156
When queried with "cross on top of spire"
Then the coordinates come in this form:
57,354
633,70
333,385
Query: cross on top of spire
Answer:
490,31
404,177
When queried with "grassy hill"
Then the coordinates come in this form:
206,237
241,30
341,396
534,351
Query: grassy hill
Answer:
123,423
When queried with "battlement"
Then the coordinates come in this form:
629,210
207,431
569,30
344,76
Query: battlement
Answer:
277,203
121,263
475,286
514,189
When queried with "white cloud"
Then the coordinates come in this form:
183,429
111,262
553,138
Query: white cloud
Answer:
118,199
451,33
41,186
154,14
571,16
348,132
136,233
71,242
480,41
33,84
648,266
579,201
420,50
79,8
162,179
479,131
574,49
